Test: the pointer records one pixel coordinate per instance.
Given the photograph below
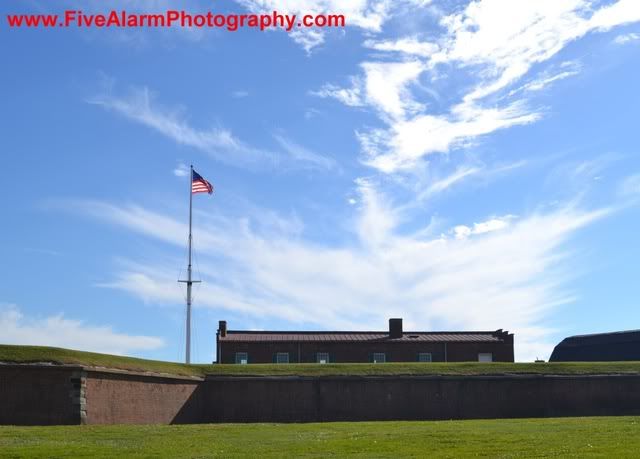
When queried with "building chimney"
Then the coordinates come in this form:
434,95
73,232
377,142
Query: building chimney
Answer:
222,328
395,328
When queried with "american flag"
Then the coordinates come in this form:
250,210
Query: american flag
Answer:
200,185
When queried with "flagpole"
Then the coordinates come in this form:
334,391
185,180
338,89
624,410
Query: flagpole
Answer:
189,279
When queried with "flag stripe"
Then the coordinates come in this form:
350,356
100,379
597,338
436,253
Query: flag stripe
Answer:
200,185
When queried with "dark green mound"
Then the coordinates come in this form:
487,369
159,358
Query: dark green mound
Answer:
40,354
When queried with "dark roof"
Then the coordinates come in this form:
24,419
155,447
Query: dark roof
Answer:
614,346
351,336
611,337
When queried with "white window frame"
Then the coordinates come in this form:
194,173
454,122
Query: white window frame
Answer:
280,355
482,357
322,357
240,360
428,358
379,357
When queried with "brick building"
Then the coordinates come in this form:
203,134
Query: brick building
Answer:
394,345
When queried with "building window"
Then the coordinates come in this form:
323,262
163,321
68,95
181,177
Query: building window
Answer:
485,357
379,357
322,357
242,358
282,357
424,357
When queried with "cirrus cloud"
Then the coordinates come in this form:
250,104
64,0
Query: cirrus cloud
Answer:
491,52
507,272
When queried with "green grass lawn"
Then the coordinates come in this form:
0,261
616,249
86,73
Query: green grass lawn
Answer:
614,437
32,354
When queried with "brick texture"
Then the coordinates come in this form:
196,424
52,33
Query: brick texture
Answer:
38,395
304,399
50,395
125,398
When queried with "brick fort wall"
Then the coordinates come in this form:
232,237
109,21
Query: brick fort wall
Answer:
37,395
129,398
52,395
350,398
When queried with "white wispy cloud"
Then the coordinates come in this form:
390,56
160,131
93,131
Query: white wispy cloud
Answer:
535,32
500,272
480,44
240,94
311,113
385,86
547,78
435,180
405,143
351,96
59,331
626,38
630,187
445,183
300,153
493,224
181,170
368,15
308,39
411,46
140,105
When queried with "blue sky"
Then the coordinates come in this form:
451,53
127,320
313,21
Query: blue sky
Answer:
460,165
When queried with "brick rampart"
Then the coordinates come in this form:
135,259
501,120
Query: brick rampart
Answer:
130,398
352,398
51,394
64,394
40,395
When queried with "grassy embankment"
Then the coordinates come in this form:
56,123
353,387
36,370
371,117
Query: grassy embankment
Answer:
34,354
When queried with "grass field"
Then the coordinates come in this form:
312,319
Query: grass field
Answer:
33,354
614,437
